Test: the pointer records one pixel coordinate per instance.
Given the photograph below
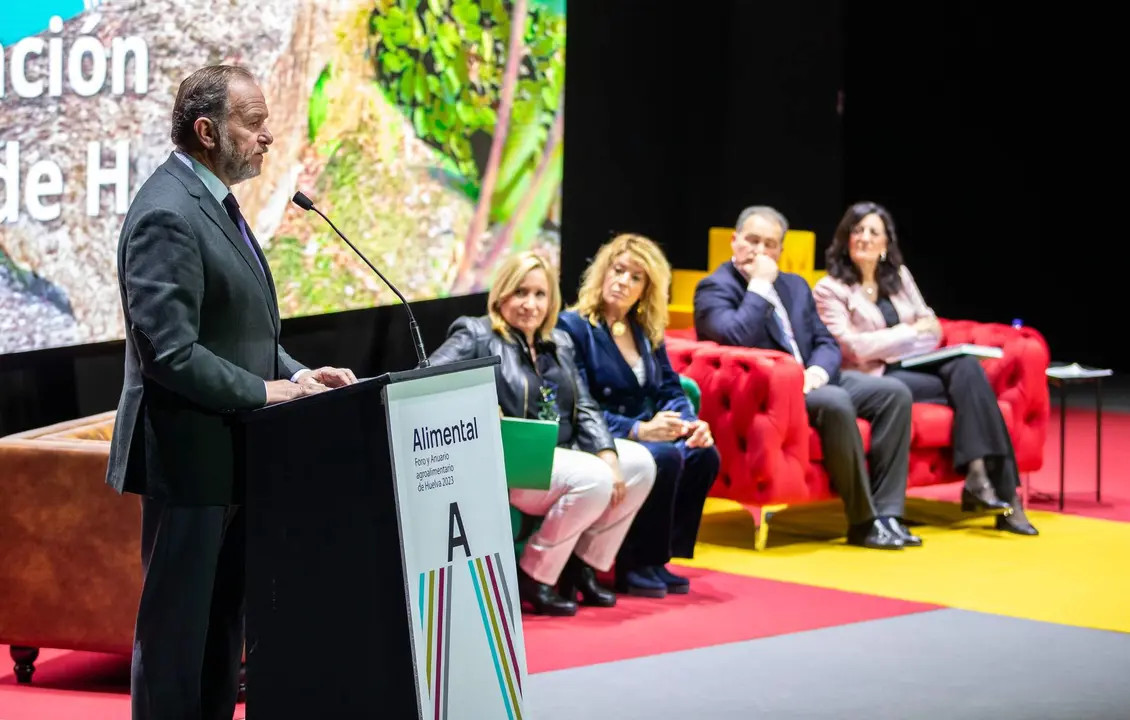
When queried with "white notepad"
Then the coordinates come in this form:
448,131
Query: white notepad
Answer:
1075,371
948,353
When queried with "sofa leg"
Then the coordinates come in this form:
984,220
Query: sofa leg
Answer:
24,658
762,514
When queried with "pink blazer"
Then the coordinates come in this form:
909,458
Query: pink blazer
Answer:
857,323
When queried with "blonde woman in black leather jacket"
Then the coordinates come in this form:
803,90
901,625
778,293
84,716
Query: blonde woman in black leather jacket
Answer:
598,483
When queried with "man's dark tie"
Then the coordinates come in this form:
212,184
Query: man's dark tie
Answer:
232,206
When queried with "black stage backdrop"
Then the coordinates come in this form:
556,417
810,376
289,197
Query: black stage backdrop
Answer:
987,130
40,388
984,129
679,116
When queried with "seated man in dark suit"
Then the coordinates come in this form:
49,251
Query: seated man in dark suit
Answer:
749,302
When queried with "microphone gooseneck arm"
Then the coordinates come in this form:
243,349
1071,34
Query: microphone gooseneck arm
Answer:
413,327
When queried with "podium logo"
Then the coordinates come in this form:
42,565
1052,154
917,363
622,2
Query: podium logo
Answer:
435,592
427,438
498,623
496,607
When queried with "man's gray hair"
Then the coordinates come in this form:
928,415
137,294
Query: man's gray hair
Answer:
766,212
204,93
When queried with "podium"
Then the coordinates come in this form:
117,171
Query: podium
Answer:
381,575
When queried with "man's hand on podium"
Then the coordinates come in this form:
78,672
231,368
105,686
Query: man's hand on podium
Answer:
282,390
330,377
309,382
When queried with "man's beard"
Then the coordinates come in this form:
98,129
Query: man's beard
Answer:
234,166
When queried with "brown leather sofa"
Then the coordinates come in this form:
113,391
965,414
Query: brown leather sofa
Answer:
70,559
70,547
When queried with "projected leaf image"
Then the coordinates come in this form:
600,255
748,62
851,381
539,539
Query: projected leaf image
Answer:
454,69
428,130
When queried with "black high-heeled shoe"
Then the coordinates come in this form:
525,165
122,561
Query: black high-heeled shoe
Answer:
978,496
1017,521
579,577
542,598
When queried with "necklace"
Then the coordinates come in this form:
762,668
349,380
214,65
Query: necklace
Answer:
869,290
619,328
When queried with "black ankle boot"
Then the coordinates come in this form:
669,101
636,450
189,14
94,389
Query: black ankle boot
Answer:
542,598
579,577
978,495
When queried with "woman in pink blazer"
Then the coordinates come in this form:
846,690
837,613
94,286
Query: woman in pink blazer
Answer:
869,302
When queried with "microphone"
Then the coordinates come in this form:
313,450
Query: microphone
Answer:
307,204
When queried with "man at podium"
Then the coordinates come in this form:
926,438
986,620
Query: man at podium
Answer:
202,338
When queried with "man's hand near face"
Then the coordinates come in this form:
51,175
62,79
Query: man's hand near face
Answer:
760,269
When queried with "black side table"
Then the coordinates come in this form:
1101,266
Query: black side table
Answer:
1062,377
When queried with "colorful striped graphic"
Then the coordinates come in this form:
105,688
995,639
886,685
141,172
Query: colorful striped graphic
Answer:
497,609
435,621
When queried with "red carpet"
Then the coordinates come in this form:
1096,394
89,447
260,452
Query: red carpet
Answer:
68,686
1079,467
723,608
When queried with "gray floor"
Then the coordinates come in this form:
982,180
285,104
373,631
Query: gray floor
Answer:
941,665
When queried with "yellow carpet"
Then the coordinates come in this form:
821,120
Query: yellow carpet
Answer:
1077,572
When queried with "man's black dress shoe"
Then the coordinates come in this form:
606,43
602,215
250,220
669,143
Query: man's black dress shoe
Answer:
579,577
542,598
903,533
875,535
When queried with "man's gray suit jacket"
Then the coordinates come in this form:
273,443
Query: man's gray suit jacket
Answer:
202,336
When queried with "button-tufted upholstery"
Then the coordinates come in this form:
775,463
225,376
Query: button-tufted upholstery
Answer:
1019,379
753,401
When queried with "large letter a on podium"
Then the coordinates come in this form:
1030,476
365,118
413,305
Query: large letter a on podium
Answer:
453,540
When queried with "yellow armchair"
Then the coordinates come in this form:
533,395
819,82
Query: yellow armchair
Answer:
680,306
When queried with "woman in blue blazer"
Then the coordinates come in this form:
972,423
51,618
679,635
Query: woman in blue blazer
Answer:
617,327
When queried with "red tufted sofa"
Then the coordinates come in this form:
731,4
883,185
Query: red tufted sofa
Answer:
754,403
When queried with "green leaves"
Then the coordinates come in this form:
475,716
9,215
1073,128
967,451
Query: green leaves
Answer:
442,63
394,62
557,7
396,27
447,38
544,194
515,172
467,13
319,104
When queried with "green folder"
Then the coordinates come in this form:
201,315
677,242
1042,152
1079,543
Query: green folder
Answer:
527,449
